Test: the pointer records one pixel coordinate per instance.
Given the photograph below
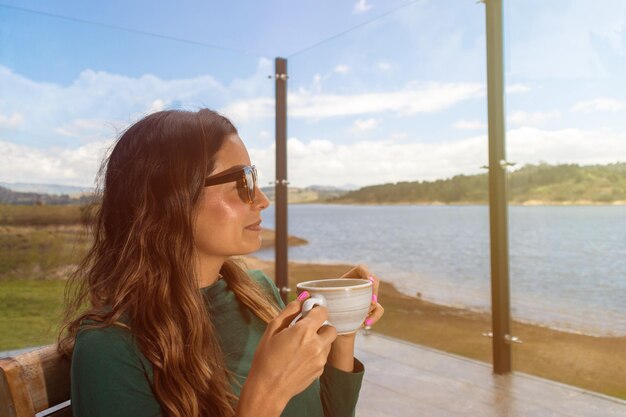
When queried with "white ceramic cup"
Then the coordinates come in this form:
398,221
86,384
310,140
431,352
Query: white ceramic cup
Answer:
347,299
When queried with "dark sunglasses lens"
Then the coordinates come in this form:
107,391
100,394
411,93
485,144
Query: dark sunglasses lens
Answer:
251,181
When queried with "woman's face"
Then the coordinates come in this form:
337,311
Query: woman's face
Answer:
223,220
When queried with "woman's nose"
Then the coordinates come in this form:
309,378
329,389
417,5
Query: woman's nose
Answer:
261,199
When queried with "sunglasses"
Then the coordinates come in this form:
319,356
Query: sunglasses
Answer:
246,178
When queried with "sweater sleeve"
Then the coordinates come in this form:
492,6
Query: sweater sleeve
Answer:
339,389
109,378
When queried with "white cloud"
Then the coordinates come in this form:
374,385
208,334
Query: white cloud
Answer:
157,105
470,125
324,162
362,125
517,88
97,104
532,118
67,124
342,69
416,97
12,121
90,129
384,66
599,104
317,82
20,163
264,135
361,6
253,109
531,145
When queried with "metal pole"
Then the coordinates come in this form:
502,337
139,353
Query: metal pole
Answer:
498,221
282,281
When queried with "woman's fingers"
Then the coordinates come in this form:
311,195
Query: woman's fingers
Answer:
285,317
375,314
361,272
315,318
376,310
328,333
375,285
372,308
289,359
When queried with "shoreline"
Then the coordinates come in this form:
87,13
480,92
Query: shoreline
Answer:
595,363
528,203
457,306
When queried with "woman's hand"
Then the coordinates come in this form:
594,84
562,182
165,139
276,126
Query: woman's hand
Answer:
342,350
288,359
376,311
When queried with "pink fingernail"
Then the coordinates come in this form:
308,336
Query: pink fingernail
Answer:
303,295
368,322
374,298
371,278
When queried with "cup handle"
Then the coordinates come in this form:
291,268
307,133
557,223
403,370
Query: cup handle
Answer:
308,306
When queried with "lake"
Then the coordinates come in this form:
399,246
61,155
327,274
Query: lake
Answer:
567,263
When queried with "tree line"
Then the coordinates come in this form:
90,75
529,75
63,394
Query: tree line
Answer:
543,183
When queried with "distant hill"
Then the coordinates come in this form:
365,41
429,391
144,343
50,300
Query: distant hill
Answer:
314,193
8,196
25,193
531,184
57,189
345,187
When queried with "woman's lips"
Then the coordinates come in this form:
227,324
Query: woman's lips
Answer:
255,226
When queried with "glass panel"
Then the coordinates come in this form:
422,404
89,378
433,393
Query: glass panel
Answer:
565,131
68,90
387,136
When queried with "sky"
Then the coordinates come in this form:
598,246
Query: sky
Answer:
379,91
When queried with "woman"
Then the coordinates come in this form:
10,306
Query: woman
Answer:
161,320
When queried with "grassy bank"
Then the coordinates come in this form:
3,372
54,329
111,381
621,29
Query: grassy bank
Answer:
40,252
43,215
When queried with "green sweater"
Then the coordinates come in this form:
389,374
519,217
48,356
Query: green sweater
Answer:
111,377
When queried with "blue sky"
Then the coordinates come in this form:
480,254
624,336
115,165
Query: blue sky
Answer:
379,91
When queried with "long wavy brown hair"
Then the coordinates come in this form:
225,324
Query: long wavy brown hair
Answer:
140,271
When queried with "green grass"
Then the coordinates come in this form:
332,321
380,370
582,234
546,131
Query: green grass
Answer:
33,215
30,312
42,252
34,260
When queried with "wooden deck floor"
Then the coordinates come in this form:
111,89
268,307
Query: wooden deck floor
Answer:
407,380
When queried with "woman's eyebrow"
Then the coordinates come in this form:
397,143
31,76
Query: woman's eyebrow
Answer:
229,170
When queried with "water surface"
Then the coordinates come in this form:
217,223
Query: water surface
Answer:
567,264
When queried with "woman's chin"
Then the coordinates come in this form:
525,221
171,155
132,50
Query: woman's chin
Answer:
253,246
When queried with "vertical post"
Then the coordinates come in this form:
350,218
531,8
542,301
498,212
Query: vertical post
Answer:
498,221
281,179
